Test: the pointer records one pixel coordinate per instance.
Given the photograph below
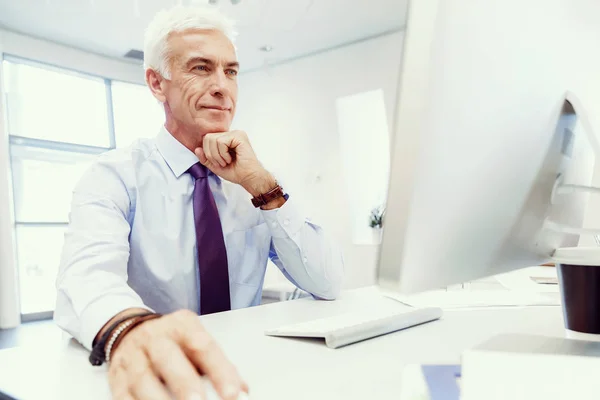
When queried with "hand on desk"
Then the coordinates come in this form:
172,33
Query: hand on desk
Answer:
161,358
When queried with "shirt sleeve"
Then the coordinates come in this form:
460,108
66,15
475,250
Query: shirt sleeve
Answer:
92,279
303,252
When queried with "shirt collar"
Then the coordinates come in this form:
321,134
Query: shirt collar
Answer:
178,157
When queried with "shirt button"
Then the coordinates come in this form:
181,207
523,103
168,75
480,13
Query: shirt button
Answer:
286,222
305,260
274,224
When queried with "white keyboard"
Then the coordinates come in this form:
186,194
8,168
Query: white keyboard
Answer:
344,329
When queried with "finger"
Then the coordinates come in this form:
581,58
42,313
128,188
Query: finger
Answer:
207,150
117,375
204,352
224,151
180,375
142,381
214,152
149,387
117,380
201,156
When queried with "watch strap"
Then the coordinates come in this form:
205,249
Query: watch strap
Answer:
265,198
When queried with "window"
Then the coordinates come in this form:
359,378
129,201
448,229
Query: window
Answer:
364,136
137,113
38,254
58,122
43,180
57,106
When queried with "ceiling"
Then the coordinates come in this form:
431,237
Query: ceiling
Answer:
292,27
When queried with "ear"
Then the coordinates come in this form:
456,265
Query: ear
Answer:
155,82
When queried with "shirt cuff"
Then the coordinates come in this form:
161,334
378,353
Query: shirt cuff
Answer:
97,314
284,221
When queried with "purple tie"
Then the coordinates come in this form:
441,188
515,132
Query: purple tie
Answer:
212,256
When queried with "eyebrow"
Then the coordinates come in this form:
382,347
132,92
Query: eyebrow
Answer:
208,61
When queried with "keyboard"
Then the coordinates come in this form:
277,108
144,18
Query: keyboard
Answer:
345,329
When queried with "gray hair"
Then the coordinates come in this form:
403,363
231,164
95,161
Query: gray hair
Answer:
179,19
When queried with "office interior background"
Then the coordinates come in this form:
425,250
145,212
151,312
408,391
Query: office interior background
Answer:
317,97
70,91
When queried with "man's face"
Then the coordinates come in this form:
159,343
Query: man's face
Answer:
202,92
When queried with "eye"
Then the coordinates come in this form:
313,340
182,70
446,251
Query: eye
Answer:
201,68
231,72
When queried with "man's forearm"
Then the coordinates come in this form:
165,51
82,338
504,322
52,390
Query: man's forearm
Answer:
261,185
122,314
304,253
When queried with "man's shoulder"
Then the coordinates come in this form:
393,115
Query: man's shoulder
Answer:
119,165
125,158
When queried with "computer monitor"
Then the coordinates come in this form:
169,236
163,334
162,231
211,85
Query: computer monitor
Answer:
486,134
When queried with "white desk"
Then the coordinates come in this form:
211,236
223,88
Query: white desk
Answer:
289,369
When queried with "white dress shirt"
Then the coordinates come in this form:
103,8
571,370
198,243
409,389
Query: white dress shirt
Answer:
131,240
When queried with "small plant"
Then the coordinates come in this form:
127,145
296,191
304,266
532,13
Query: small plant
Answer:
376,217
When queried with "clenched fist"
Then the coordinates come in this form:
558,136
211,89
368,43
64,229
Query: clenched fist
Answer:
230,156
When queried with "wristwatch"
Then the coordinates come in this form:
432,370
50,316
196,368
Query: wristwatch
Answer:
265,198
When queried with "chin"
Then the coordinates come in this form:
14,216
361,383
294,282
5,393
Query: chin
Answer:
213,126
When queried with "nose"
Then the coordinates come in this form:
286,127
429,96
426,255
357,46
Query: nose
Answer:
219,86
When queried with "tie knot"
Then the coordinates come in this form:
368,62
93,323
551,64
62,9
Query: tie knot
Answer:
197,171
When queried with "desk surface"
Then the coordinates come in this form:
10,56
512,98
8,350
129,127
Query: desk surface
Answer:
283,368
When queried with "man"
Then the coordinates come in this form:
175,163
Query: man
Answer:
167,227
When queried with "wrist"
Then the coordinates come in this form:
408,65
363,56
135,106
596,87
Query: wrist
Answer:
119,333
260,183
98,353
130,312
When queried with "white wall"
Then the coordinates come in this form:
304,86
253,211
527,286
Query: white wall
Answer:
289,111
586,85
61,56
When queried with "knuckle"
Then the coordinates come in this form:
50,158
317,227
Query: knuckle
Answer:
118,363
202,345
157,353
115,373
140,335
136,376
183,314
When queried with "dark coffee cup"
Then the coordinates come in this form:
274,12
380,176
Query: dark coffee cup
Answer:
580,292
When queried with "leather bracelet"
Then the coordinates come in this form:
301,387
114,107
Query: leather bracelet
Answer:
263,199
97,356
122,330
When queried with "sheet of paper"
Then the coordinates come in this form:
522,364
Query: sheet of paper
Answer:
521,280
476,298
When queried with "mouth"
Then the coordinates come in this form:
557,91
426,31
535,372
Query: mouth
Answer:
216,108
